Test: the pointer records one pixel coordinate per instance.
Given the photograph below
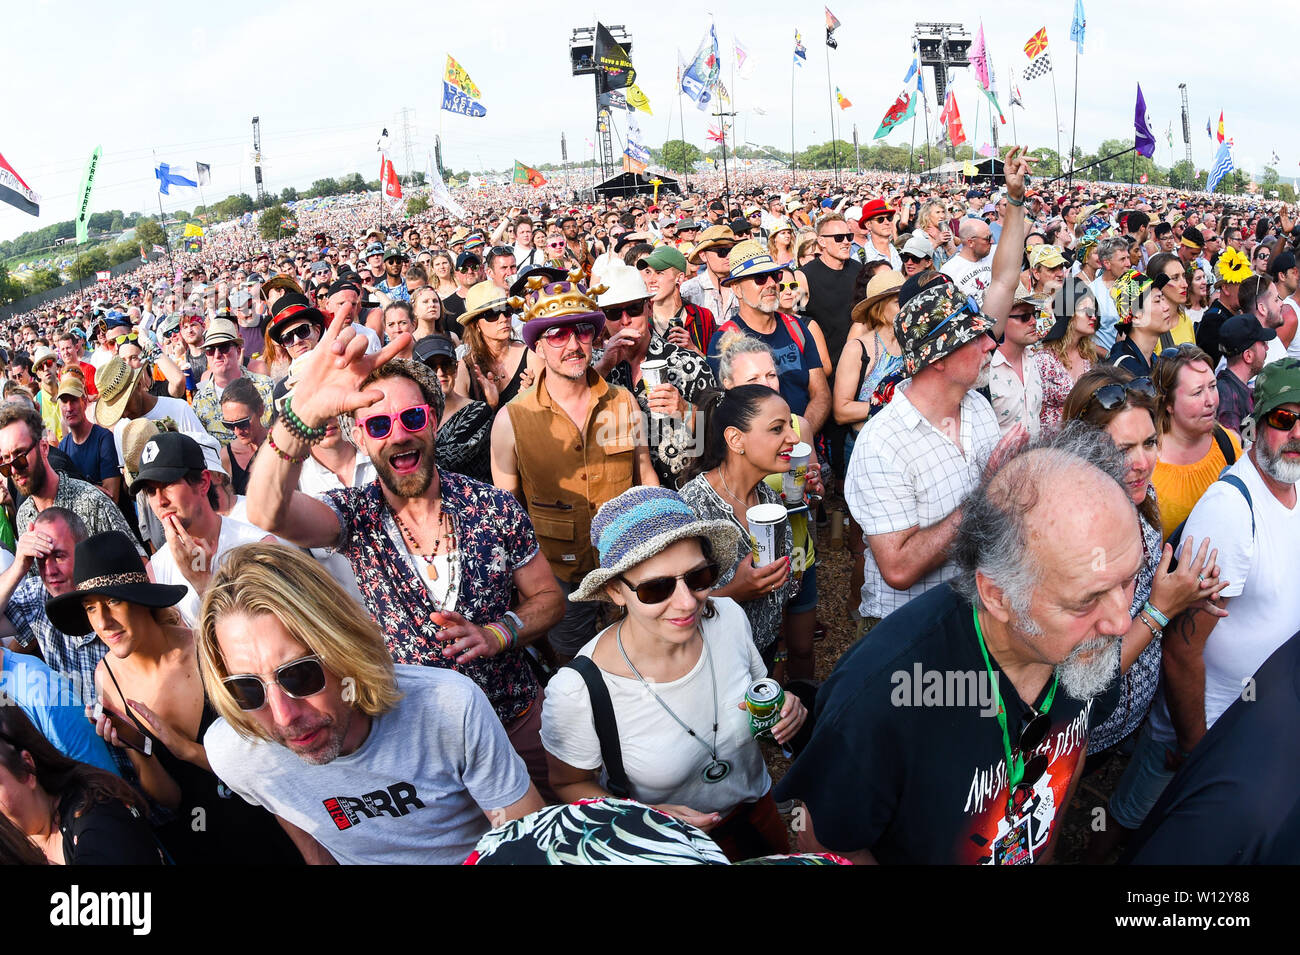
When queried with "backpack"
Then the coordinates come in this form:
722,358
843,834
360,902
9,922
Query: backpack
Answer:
1229,454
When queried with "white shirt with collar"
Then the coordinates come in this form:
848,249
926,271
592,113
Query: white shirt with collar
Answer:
1016,401
905,473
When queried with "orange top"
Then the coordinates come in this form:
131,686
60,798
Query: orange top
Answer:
1180,486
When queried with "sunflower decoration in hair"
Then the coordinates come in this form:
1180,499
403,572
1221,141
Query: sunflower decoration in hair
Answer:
1232,266
1130,295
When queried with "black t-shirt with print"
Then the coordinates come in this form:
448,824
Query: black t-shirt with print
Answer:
906,757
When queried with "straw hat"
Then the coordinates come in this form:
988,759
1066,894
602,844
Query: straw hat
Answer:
884,284
711,238
481,298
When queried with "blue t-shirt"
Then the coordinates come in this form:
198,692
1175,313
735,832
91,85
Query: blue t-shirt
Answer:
48,699
792,365
97,458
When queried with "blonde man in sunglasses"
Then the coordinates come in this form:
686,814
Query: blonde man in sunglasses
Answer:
300,677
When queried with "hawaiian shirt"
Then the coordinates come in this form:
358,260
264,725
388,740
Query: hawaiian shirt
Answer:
494,538
398,292
207,405
673,443
95,508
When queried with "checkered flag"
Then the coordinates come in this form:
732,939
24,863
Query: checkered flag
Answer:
1041,65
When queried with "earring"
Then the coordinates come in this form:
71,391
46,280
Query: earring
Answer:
742,450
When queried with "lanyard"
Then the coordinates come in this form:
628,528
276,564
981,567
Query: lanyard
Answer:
1016,767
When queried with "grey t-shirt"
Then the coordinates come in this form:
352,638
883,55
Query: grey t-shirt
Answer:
414,793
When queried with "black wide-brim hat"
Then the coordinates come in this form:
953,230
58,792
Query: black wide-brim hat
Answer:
290,309
108,565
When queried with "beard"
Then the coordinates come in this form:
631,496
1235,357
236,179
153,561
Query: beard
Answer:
35,480
412,484
322,753
1084,679
982,379
1274,465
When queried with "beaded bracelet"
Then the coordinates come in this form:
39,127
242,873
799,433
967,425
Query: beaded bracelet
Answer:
1156,615
1157,634
283,454
298,426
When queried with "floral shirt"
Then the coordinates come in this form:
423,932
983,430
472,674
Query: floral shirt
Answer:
207,405
95,508
1016,402
494,538
1057,385
672,440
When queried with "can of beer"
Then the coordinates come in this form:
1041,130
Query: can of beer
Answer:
766,532
764,699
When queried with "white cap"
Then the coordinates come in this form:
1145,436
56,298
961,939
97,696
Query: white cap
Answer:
853,213
622,284
919,246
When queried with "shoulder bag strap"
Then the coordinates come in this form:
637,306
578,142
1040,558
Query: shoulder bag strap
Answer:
1225,446
602,711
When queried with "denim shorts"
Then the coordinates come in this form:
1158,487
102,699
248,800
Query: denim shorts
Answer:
807,598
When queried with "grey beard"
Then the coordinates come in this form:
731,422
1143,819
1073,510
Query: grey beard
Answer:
1274,466
1082,679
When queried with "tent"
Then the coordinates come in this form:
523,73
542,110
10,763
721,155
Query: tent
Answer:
986,170
636,184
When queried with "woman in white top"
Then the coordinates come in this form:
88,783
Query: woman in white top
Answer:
676,668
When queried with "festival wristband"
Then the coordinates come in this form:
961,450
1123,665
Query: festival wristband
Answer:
1015,202
1156,615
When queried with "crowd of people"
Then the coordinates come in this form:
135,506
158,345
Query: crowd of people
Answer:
497,537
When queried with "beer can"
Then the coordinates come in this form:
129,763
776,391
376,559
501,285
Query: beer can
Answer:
766,532
764,699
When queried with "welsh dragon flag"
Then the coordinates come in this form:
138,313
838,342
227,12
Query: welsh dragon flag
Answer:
904,108
529,175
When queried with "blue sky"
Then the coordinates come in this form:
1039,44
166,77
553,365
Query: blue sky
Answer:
185,80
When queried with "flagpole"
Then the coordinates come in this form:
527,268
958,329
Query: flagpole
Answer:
1012,107
1074,122
794,67
1057,108
830,98
925,101
681,126
162,218
911,149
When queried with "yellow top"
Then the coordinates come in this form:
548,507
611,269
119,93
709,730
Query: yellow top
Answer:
1184,331
1180,486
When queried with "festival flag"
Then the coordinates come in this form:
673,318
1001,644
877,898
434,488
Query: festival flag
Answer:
841,99
915,70
381,145
105,275
1276,158
192,231
744,62
1220,125
714,135
832,24
1222,166
529,175
203,173
1077,25
159,250
951,118
1208,132
1016,99
1037,44
87,184
979,59
1169,134
701,76
616,70
390,187
632,165
800,53
1143,141
902,108
968,169
167,178
636,148
1041,66
460,94
986,149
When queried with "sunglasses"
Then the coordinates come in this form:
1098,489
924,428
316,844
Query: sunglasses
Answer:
908,257
659,589
1115,395
616,313
17,462
1032,733
971,306
1281,419
837,237
560,336
123,339
239,425
299,333
214,349
297,678
787,286
413,420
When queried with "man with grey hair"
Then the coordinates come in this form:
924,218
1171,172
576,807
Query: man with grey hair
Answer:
903,765
1114,256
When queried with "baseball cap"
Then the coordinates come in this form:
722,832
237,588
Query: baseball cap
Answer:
1239,332
167,458
1278,383
664,257
374,248
434,346
918,246
468,258
1045,257
71,385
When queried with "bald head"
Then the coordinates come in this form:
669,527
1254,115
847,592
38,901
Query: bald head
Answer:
973,229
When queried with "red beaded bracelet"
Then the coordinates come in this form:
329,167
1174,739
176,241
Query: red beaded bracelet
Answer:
286,456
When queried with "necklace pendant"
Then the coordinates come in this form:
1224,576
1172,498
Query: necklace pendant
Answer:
716,771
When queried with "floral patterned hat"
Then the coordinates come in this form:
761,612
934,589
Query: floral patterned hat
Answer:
936,322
